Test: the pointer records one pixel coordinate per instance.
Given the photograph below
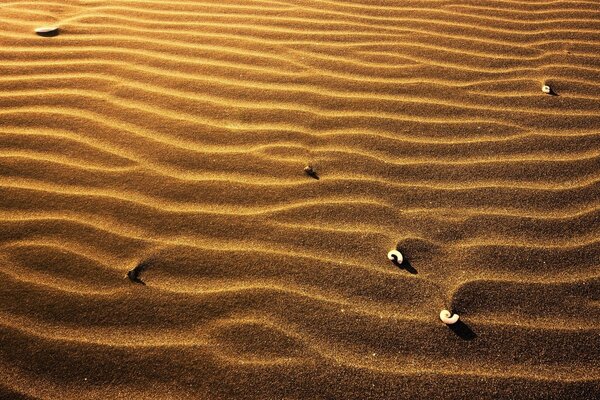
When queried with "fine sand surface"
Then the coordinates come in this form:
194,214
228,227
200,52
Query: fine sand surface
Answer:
173,134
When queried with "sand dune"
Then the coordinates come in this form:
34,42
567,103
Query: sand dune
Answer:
174,134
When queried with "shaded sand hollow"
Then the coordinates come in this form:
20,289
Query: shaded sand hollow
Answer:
173,134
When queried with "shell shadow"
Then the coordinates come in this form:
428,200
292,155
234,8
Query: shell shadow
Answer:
462,330
406,265
312,173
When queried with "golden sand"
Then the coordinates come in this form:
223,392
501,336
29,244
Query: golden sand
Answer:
174,135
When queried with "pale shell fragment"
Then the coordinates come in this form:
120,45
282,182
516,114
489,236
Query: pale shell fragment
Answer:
546,89
45,30
448,318
396,256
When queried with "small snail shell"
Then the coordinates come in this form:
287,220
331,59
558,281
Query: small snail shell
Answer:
448,318
546,89
396,256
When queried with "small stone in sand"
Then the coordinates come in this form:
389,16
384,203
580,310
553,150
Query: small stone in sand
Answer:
134,274
448,318
47,30
310,171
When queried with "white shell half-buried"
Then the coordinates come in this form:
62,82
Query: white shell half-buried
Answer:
45,30
396,256
448,318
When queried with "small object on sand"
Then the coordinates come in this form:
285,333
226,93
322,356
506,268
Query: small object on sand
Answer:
47,30
547,89
448,318
310,171
395,256
134,274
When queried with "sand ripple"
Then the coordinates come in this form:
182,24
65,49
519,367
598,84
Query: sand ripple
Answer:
175,133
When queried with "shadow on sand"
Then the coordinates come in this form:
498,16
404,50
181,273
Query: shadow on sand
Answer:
462,330
405,264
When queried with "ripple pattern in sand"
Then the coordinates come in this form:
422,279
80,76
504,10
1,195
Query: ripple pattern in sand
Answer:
175,132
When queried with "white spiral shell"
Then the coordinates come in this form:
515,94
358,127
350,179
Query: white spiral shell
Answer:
396,256
546,89
448,318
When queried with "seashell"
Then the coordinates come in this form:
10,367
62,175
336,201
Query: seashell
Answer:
546,89
448,318
395,256
47,30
